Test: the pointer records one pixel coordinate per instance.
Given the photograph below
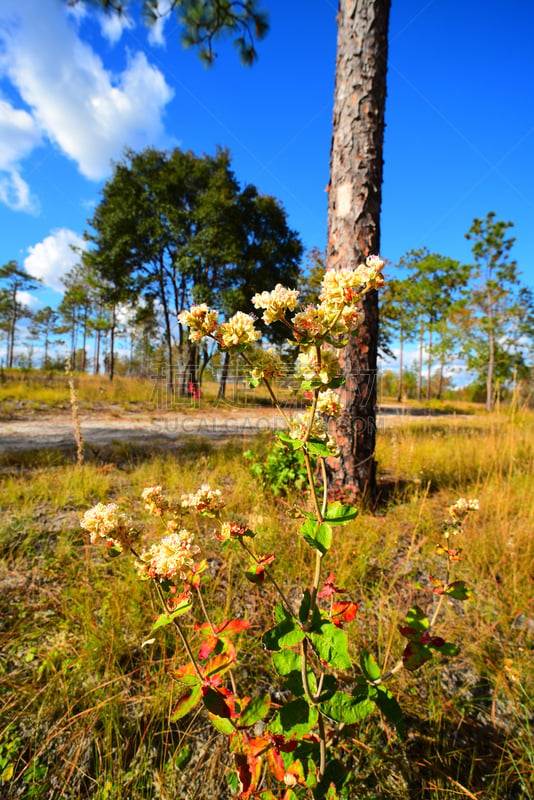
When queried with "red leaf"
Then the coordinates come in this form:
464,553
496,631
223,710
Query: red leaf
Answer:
207,647
249,773
276,764
343,611
232,626
330,588
439,586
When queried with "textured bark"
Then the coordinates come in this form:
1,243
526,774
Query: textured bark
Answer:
354,216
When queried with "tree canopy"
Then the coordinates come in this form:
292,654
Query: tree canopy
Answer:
201,22
176,228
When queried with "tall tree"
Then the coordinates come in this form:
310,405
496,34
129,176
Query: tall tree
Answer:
494,298
397,319
355,193
43,326
177,228
13,280
435,287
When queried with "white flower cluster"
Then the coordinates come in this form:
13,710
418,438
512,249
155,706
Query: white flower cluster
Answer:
329,404
205,501
201,321
156,502
312,367
239,331
172,557
298,428
108,522
457,514
276,303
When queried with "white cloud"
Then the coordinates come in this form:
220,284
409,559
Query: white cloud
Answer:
29,300
52,258
88,112
113,25
156,31
19,135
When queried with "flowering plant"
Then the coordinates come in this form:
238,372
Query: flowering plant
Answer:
281,749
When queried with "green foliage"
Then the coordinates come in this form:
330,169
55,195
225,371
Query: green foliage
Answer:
281,471
202,23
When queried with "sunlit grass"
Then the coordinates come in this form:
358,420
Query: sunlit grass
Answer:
86,707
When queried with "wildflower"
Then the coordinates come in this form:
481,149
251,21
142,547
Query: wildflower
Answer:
266,364
231,529
321,369
329,404
312,324
460,509
108,522
206,501
345,286
276,303
155,501
340,287
239,331
172,557
457,514
201,321
298,428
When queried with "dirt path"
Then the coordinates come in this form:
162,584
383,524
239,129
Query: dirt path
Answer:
56,431
47,431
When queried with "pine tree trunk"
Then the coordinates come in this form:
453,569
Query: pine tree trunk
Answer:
429,370
420,370
399,389
355,194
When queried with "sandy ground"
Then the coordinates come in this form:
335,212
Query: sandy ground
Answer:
56,431
42,430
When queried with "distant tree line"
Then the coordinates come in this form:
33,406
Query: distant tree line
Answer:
479,313
173,228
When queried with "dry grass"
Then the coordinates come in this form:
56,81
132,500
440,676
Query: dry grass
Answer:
85,708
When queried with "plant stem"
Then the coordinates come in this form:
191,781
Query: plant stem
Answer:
183,637
270,576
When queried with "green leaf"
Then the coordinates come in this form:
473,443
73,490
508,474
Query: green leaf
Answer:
189,699
331,644
446,649
216,704
390,709
347,708
317,534
286,634
416,618
304,610
339,514
166,619
370,668
295,719
319,448
294,443
281,612
257,709
182,757
459,590
415,655
286,661
223,725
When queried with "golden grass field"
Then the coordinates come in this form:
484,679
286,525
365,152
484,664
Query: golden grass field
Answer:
85,708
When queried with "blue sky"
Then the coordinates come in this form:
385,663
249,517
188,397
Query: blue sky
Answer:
75,90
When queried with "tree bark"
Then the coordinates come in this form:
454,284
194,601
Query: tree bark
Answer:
355,194
401,354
